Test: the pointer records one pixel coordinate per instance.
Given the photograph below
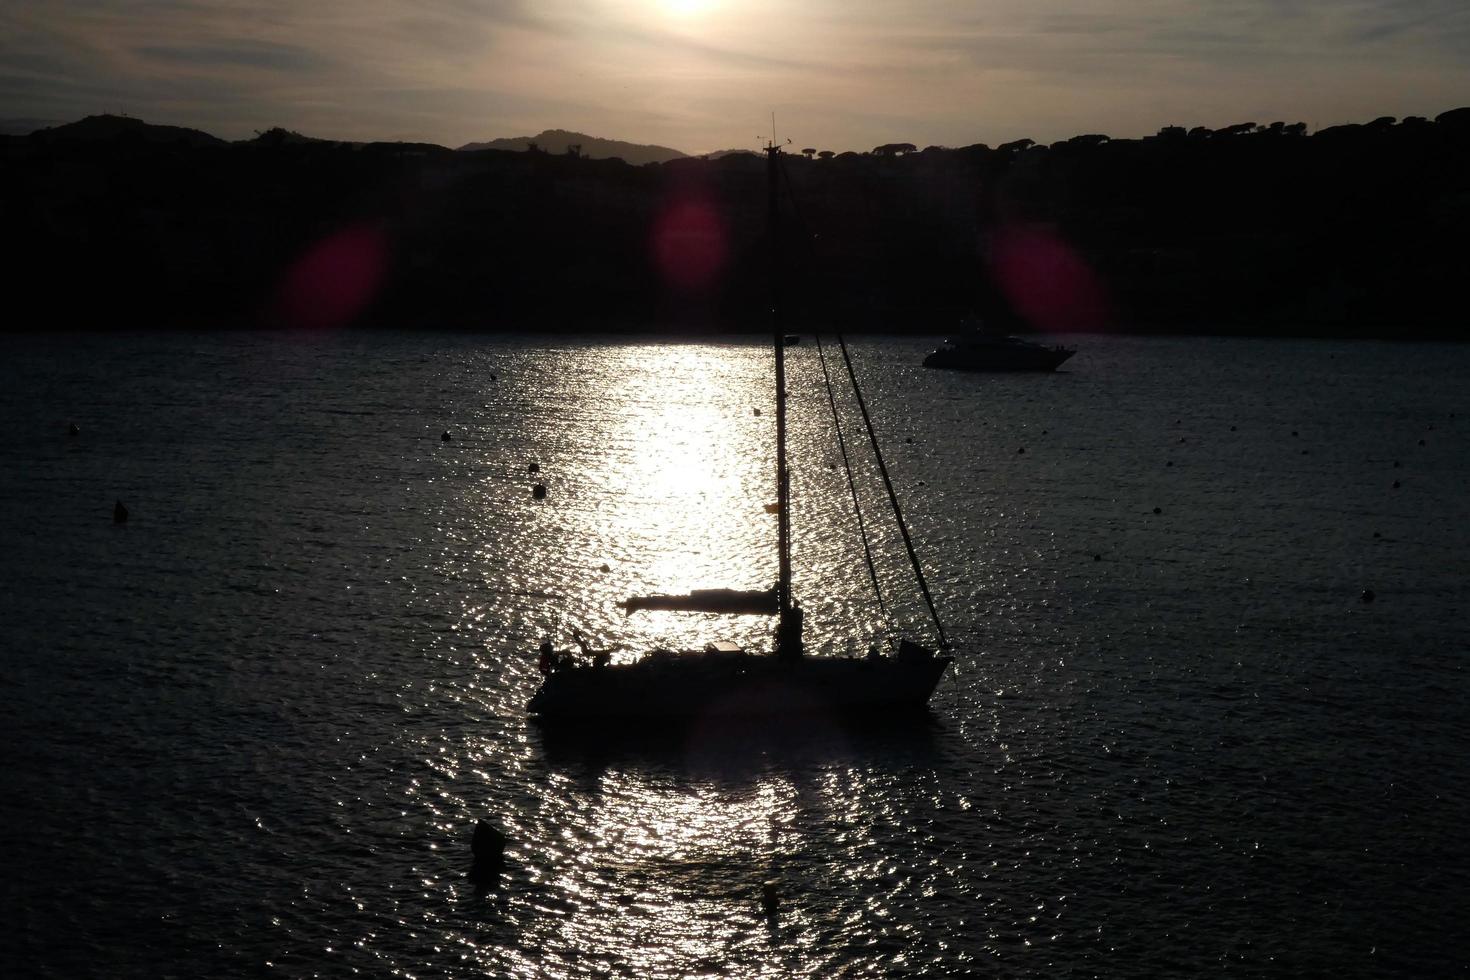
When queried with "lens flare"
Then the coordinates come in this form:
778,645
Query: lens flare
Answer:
1047,281
690,244
334,280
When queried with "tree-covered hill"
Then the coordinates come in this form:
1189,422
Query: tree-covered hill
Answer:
1264,229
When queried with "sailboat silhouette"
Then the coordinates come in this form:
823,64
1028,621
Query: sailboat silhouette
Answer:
722,679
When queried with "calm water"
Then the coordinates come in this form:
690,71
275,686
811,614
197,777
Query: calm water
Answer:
248,733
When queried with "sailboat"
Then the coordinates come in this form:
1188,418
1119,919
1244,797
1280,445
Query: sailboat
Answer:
723,680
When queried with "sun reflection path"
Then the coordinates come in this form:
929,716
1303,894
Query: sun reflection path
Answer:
659,459
658,468
650,861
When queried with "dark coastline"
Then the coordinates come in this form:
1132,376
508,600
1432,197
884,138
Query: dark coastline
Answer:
1354,231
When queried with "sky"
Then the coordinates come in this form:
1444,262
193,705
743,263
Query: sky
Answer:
702,75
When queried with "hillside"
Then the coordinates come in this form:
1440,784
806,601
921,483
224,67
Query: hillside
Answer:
1353,230
592,147
104,128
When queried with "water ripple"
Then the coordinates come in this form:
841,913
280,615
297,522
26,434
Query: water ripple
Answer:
250,731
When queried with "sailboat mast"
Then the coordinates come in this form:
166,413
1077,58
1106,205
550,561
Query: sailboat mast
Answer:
783,485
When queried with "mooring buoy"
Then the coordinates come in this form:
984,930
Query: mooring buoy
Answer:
770,898
487,848
119,513
539,491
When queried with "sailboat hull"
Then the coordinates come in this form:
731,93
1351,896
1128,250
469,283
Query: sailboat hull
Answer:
712,685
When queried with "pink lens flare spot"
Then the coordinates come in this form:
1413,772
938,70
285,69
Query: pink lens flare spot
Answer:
690,244
1046,281
335,279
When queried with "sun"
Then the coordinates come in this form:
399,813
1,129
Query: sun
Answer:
687,8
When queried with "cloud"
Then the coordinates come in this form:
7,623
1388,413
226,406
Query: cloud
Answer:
845,73
239,54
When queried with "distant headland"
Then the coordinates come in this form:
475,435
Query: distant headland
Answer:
1254,228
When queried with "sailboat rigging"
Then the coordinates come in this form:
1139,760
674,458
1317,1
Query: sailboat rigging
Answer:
722,679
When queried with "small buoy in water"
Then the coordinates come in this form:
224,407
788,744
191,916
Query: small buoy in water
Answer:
539,491
488,844
773,508
493,377
1097,557
1395,484
757,412
910,440
1376,535
72,429
1421,442
1158,510
1306,452
1181,440
488,848
1367,596
1169,463
770,898
922,483
1293,433
604,568
1043,432
1395,464
445,437
119,513
1232,428
534,468
1021,450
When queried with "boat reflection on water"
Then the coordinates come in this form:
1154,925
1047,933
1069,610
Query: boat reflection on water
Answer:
744,747
671,844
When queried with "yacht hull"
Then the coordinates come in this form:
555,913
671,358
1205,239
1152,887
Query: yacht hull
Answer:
713,685
997,358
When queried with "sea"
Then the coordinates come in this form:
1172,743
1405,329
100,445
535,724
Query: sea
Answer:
1209,603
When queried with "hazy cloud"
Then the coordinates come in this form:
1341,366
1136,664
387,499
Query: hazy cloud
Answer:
246,54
